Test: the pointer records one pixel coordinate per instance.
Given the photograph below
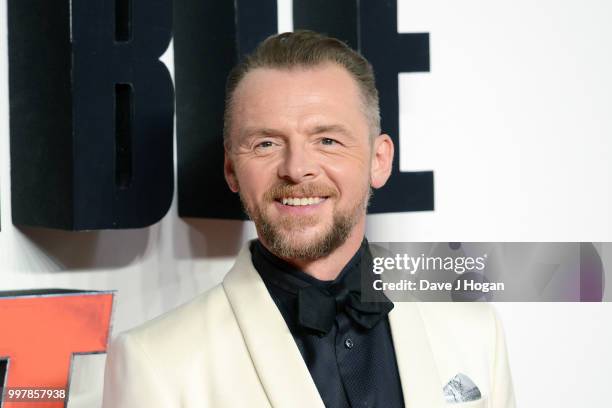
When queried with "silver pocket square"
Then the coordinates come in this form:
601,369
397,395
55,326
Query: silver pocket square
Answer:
461,389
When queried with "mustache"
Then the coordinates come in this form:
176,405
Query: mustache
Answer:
299,190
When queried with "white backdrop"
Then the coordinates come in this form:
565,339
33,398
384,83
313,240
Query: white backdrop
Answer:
514,120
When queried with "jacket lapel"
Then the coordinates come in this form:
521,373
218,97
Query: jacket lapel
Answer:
277,360
415,360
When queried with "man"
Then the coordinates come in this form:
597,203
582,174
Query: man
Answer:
287,328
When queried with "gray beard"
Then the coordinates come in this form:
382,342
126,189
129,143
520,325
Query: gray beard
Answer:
277,236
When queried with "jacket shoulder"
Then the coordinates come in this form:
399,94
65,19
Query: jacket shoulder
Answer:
186,357
173,338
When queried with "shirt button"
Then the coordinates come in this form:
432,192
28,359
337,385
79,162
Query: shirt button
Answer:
348,343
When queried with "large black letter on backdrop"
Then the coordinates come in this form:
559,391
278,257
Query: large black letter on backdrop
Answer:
209,38
370,26
91,111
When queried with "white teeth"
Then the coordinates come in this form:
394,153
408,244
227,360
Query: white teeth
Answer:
301,201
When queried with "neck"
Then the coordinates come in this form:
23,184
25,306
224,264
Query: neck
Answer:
330,266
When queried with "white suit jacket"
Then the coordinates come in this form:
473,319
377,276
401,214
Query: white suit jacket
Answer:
230,347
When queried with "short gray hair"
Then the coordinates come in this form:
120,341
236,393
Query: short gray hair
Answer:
305,48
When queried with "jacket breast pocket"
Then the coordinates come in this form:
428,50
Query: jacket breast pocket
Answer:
480,403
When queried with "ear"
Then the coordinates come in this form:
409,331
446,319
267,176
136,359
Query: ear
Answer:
230,174
382,160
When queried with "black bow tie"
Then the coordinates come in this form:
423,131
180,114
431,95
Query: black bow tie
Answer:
317,310
318,303
318,307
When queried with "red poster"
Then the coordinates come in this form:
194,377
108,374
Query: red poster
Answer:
40,331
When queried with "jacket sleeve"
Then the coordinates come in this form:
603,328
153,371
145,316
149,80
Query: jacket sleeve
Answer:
502,392
131,380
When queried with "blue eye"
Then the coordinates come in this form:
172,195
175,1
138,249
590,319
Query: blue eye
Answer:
328,141
265,144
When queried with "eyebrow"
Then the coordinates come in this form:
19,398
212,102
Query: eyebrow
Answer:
338,129
265,132
248,133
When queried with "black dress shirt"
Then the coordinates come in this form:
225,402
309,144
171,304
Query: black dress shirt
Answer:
352,364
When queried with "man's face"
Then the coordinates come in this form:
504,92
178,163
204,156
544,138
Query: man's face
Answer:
300,157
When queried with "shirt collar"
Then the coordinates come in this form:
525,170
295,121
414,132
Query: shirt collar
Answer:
290,278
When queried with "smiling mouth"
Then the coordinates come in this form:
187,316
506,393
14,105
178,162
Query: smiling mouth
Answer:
301,201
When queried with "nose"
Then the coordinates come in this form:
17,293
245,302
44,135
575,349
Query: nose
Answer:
299,164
